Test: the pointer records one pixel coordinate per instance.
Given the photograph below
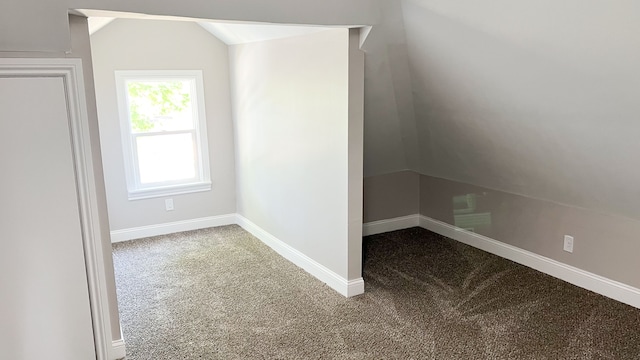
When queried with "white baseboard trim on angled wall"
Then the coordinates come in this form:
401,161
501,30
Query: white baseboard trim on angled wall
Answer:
584,279
118,350
382,226
345,287
172,227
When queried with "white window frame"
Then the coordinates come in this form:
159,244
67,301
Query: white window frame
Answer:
202,181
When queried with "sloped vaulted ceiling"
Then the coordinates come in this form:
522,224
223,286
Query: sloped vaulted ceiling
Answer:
390,138
538,98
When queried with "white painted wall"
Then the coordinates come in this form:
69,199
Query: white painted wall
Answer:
129,44
290,101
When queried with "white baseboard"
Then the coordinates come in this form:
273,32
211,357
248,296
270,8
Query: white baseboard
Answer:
172,227
118,350
584,279
354,287
345,287
382,226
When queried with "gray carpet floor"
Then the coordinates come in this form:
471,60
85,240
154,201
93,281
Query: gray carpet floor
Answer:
220,293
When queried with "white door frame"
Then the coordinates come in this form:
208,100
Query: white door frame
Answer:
70,71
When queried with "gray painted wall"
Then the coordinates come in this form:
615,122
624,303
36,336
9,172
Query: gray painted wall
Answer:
390,138
536,105
604,244
391,195
291,112
536,99
128,44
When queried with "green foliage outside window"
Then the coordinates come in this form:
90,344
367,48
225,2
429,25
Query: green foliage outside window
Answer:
148,100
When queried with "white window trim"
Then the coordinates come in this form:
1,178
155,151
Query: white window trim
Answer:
135,190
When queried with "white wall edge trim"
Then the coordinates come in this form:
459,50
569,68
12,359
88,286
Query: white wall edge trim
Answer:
345,287
71,72
382,226
172,227
584,279
118,350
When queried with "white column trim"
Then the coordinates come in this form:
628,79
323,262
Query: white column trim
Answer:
70,71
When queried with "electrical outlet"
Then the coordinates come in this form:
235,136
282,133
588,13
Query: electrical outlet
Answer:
168,204
568,243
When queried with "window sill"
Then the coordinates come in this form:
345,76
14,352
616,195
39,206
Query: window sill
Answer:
169,190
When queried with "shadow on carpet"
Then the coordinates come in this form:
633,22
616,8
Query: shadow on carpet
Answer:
220,293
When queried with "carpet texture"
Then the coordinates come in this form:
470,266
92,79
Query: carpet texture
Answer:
220,293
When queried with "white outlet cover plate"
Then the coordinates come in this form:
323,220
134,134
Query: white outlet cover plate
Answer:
568,243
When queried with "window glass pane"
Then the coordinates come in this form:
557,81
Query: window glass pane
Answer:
167,157
160,105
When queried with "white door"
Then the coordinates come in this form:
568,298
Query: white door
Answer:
44,296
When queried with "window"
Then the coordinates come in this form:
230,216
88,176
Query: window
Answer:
164,133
